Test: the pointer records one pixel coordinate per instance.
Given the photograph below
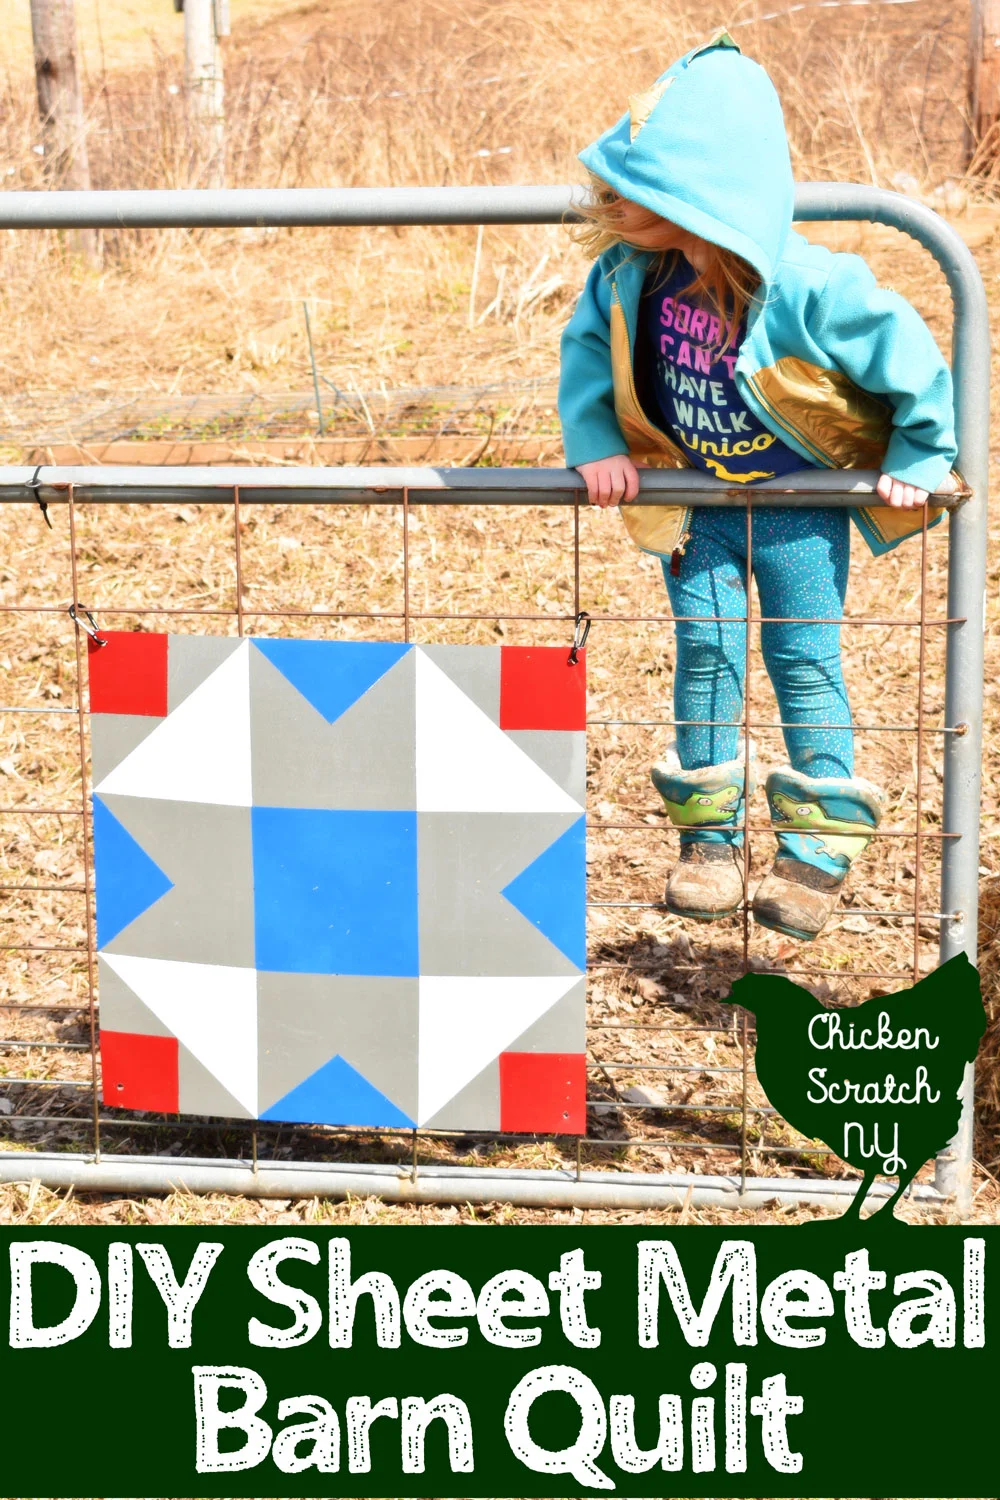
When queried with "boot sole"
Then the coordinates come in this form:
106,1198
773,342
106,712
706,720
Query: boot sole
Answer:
701,916
788,931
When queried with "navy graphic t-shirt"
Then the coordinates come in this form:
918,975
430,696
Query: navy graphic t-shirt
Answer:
688,388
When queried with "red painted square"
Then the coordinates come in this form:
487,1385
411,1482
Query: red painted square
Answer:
540,690
128,675
139,1072
543,1091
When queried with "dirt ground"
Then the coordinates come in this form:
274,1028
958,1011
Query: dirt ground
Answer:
445,337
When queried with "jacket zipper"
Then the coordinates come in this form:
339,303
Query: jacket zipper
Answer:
685,535
787,426
799,437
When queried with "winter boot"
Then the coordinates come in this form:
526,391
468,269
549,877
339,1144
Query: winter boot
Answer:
707,880
822,824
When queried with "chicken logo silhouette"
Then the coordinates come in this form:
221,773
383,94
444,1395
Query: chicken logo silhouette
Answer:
879,1083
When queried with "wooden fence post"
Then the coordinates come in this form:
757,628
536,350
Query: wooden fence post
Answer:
204,22
60,104
983,126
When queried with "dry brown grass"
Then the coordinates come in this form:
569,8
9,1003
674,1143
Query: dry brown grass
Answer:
423,92
868,94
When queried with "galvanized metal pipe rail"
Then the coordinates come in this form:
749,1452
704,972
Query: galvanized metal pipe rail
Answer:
527,205
290,208
525,1188
377,485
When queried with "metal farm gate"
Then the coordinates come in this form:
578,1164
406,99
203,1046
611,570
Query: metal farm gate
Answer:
247,1158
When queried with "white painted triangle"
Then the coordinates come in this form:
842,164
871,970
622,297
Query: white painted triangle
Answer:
201,752
464,1022
211,1008
465,763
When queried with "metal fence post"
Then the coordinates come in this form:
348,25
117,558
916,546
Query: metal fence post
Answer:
966,593
964,671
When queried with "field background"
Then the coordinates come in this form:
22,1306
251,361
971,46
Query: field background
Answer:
439,345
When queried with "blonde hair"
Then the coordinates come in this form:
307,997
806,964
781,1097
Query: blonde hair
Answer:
729,282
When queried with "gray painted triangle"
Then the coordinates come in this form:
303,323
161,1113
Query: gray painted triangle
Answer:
476,1107
464,860
192,658
563,1027
364,760
121,1008
474,669
199,1092
205,849
113,736
303,1020
561,753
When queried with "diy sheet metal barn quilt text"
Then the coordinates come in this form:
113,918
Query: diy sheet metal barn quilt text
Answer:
341,882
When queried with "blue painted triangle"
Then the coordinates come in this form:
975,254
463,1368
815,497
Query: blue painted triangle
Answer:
337,1094
332,674
552,893
128,881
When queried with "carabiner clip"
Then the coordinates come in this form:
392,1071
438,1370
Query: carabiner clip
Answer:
89,625
580,633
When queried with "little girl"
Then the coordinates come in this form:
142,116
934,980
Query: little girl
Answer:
709,334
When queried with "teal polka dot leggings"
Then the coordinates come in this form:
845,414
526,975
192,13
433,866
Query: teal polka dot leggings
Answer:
800,562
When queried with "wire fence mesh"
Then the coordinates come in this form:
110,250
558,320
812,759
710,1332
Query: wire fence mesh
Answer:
37,420
670,1064
509,554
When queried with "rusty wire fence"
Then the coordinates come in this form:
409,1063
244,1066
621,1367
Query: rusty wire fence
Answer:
719,1137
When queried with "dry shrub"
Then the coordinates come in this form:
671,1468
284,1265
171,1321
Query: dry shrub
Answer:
415,92
419,93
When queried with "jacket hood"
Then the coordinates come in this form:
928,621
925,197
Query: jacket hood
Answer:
705,147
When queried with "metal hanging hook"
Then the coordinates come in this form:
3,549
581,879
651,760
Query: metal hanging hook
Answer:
581,631
34,484
89,624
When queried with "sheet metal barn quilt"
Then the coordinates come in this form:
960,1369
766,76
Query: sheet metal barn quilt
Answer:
341,882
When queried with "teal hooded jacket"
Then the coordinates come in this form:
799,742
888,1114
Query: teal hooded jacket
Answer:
844,372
